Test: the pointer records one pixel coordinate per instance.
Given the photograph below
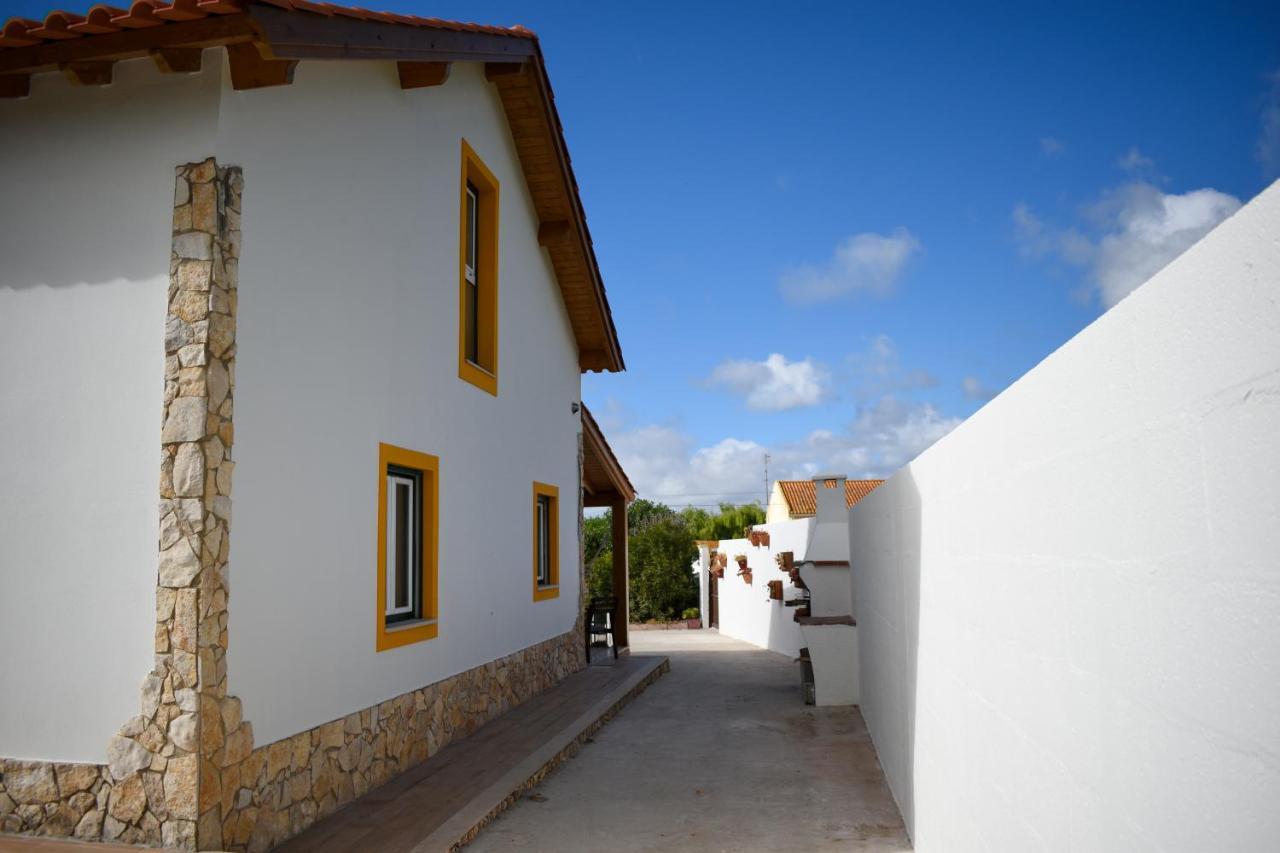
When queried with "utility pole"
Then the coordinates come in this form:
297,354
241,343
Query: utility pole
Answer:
766,480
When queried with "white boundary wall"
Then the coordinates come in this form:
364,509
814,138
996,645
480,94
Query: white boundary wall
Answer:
746,611
1069,608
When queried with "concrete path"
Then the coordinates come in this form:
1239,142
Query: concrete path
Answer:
721,754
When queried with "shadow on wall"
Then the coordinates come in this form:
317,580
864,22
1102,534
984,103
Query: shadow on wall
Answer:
885,556
100,161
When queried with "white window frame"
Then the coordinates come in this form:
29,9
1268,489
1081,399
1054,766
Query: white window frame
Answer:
394,479
544,540
473,233
472,238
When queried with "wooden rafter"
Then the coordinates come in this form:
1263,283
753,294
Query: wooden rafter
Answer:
178,60
15,85
418,75
251,70
88,73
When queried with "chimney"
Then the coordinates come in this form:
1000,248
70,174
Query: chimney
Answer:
830,492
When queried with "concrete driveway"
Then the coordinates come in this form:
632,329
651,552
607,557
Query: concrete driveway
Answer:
719,755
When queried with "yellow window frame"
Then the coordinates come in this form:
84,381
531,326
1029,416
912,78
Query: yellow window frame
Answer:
427,627
482,373
543,592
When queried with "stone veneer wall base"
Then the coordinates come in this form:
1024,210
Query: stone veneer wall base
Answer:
184,772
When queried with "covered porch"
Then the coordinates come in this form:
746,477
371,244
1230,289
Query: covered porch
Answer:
605,484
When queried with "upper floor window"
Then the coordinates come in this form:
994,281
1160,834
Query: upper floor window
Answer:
478,285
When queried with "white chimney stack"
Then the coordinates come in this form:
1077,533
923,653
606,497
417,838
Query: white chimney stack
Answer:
830,491
828,538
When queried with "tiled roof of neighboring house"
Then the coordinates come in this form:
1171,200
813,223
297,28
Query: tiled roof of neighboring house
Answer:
802,497
265,39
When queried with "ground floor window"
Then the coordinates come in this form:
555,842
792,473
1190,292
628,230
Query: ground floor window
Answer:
408,497
546,558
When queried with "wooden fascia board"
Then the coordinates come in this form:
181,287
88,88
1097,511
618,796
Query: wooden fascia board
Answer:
594,443
129,44
532,76
613,349
310,36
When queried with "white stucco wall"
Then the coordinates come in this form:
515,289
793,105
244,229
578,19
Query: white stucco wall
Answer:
746,611
88,177
1069,608
348,330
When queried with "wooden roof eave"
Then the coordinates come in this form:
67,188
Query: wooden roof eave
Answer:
598,450
563,223
130,44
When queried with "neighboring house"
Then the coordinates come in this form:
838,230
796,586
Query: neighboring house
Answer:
791,499
363,229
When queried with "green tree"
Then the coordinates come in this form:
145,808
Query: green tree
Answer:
728,523
597,536
600,575
662,579
661,545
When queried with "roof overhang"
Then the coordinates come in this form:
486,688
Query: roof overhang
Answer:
265,39
603,480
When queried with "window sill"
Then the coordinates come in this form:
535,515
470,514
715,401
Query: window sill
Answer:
543,593
405,633
408,624
482,378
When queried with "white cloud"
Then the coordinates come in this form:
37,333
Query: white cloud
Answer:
867,262
1133,160
664,465
1268,147
1138,229
774,384
879,370
1051,147
976,389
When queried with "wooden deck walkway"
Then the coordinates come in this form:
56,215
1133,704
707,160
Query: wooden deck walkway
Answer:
443,802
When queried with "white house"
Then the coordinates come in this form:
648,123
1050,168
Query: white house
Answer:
363,229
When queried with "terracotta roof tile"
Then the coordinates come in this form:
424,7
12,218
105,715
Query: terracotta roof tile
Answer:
59,25
802,497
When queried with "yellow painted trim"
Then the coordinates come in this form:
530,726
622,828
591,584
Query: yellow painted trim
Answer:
485,374
551,590
428,627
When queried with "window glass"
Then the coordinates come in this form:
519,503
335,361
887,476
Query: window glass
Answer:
404,543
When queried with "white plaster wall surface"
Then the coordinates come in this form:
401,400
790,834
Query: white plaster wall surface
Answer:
746,611
348,331
88,176
1069,608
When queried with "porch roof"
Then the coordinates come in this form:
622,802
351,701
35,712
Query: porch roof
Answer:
603,479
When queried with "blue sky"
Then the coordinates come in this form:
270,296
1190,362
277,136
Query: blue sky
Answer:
906,206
